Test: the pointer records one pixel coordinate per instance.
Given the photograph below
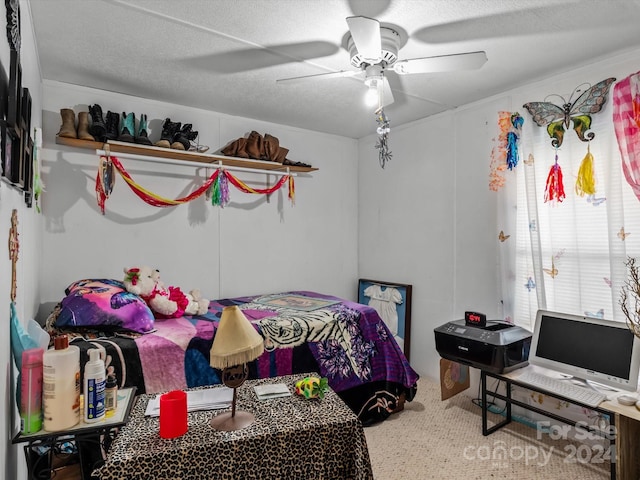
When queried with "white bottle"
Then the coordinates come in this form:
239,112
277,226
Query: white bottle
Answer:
94,383
61,385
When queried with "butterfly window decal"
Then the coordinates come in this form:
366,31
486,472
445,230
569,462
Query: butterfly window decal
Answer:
553,271
530,285
622,235
558,118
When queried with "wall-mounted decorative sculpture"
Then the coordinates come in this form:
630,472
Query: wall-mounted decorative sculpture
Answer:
557,119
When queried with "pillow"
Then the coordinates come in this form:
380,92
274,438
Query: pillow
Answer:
104,304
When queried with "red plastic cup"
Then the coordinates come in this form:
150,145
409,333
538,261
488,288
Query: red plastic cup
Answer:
173,414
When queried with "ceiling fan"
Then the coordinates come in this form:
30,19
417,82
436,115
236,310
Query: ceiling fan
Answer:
373,50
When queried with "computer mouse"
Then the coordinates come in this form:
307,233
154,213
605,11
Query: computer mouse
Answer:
625,399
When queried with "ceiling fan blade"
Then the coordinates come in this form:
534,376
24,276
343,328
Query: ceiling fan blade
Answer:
387,94
366,36
320,76
442,63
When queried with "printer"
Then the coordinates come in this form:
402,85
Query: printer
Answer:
494,345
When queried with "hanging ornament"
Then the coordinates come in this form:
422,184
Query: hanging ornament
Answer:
513,140
498,162
384,155
554,190
220,191
586,180
14,248
38,184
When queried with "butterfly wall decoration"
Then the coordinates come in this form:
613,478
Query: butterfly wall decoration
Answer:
622,235
553,271
558,118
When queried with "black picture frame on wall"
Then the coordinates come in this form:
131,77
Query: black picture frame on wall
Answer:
4,92
14,100
11,166
392,301
25,111
27,169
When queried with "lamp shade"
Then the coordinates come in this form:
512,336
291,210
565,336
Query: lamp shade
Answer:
236,341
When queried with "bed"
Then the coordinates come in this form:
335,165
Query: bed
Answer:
304,331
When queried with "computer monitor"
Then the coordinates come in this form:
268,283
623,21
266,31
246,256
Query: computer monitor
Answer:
590,349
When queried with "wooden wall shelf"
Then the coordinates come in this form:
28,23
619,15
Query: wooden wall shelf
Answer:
133,148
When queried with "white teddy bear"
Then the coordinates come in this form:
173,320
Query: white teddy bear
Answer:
164,302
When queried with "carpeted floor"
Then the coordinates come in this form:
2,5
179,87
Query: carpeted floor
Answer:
434,439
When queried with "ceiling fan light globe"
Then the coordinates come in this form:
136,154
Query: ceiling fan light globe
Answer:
371,97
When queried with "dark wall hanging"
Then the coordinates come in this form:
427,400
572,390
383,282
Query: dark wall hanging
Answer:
13,23
14,100
10,155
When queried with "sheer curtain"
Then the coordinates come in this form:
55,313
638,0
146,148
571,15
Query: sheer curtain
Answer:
567,256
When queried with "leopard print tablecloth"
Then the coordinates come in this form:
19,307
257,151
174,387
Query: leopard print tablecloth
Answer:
291,438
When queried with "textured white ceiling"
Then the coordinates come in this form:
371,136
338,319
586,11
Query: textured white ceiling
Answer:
225,55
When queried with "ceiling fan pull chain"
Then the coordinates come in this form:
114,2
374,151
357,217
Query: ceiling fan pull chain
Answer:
384,155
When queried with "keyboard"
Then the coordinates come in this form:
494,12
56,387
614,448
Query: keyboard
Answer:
563,388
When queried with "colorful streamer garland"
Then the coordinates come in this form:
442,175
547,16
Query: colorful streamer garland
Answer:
217,184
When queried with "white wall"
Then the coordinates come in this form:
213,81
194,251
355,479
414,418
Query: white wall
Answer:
253,245
29,258
429,218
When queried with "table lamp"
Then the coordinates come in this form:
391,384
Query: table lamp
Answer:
236,343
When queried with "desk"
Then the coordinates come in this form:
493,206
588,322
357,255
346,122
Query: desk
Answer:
291,438
624,422
82,434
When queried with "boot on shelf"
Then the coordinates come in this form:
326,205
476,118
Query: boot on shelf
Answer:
98,128
68,127
143,135
271,147
128,127
182,139
237,148
83,127
282,155
169,130
113,125
255,146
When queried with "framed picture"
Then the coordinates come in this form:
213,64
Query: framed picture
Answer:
27,166
392,301
4,92
11,166
14,100
25,110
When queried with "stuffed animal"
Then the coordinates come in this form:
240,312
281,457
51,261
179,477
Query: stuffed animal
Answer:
164,302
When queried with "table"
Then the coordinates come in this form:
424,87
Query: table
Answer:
624,421
291,438
86,436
